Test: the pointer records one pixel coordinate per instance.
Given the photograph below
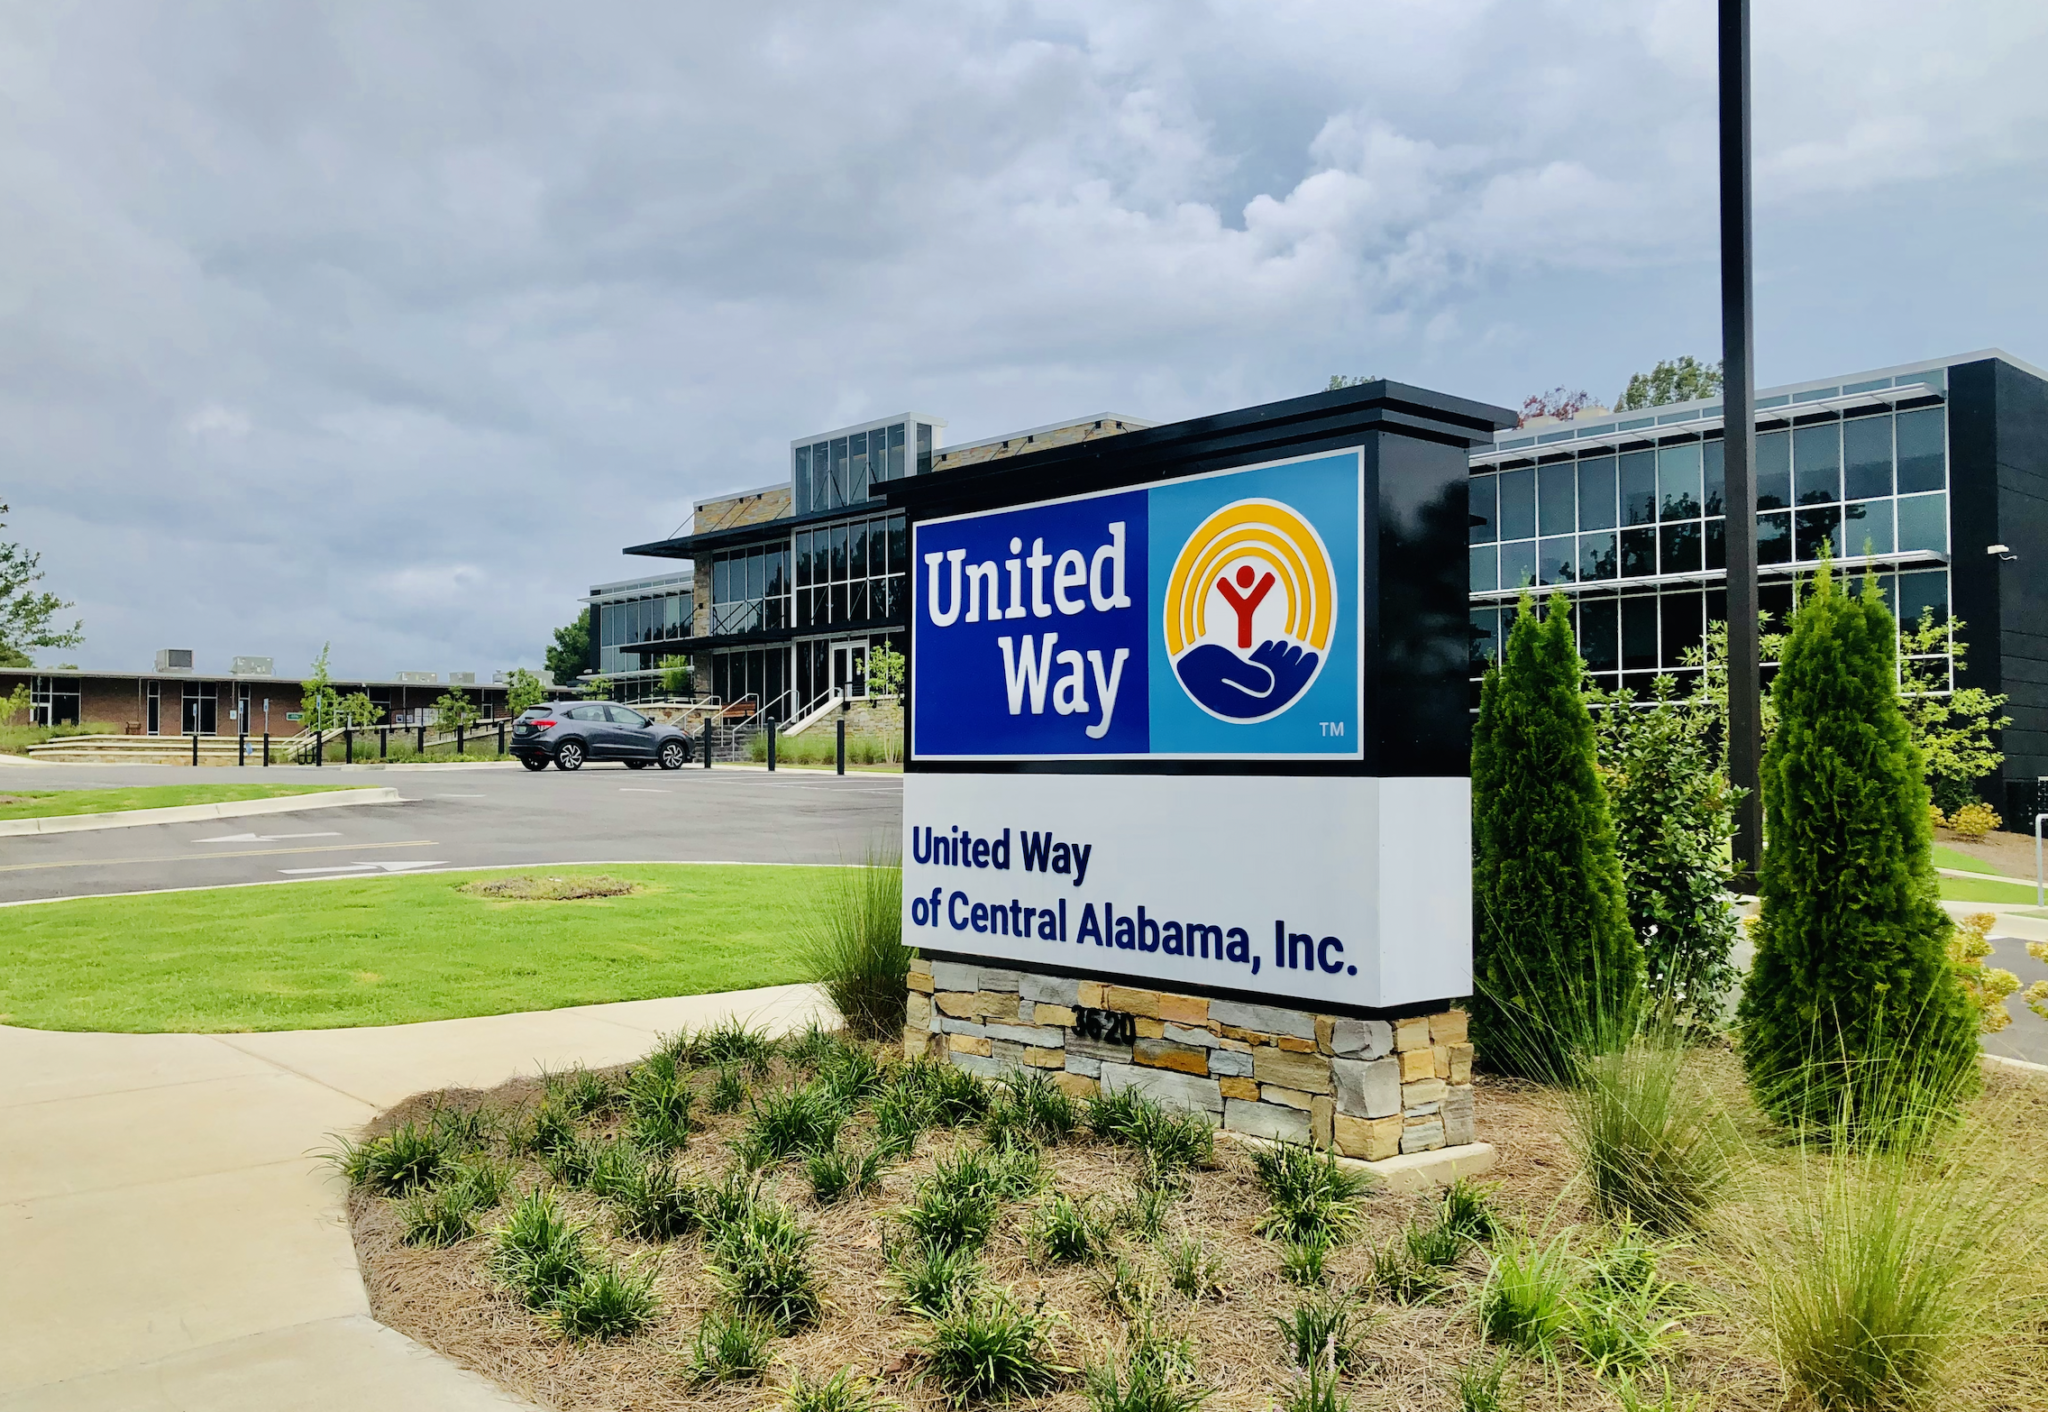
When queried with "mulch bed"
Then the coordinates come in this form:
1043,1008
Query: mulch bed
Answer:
448,1300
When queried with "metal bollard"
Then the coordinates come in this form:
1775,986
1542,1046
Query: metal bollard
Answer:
383,742
195,747
707,745
458,737
501,737
348,745
841,724
319,748
266,750
241,749
771,745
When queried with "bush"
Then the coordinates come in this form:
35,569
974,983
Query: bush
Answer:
852,940
763,1263
1851,987
1974,820
409,1157
1674,814
992,1349
1554,960
1653,1143
446,1215
607,1303
1170,1140
658,1102
955,1207
729,1350
1310,1197
1984,987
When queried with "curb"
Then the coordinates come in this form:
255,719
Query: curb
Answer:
197,813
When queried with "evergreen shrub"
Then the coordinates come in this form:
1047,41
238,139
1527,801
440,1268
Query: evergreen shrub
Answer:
1851,1002
1555,966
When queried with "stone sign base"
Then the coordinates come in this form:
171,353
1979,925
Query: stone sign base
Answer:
1372,1089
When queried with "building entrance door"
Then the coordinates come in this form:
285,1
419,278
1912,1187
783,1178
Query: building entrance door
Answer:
850,669
201,707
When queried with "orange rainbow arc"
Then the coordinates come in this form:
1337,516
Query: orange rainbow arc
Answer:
1271,533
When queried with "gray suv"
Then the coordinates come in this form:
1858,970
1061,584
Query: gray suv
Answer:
570,733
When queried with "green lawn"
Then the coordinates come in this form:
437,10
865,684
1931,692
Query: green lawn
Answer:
47,803
1965,863
1972,890
382,951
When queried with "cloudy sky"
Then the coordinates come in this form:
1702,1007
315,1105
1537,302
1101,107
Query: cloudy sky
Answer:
388,324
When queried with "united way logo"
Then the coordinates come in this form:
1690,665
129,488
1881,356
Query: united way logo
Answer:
1250,609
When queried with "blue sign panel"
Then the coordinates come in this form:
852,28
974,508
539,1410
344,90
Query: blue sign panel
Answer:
1211,617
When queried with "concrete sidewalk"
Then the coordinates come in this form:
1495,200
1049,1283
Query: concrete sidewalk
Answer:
171,1241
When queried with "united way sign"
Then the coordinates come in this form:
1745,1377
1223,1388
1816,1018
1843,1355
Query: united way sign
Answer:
1187,706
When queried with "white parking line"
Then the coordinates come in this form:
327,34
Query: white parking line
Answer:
462,796
264,837
631,789
404,867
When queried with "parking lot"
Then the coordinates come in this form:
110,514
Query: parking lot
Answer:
476,816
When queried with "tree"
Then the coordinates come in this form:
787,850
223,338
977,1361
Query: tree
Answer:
454,711
319,702
15,703
25,616
598,689
1554,964
886,668
523,689
1851,1000
1951,728
1672,380
675,676
1674,814
1556,403
358,710
569,658
1338,381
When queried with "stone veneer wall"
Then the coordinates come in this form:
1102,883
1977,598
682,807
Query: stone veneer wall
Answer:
1368,1088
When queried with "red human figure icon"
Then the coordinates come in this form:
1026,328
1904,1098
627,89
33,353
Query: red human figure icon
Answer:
1244,604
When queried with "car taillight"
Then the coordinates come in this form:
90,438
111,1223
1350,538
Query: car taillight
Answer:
540,725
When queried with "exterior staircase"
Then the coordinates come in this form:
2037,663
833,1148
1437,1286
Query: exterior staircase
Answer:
149,750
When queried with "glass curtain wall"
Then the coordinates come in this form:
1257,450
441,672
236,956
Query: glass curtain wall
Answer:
750,589
836,472
852,573
645,618
757,672
1870,481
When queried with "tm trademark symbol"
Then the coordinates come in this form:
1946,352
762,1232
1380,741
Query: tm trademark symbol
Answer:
1333,728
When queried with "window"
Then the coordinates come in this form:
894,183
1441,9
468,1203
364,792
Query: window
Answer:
1678,482
1923,458
1557,498
1774,471
1518,504
851,573
924,449
1639,488
750,589
1817,464
1598,556
1599,633
1867,527
1518,564
1867,457
1714,465
1485,568
1482,508
1923,523
1596,493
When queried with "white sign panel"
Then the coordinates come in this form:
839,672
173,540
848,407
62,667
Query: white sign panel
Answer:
1332,890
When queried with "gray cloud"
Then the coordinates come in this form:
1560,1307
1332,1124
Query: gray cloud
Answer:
390,324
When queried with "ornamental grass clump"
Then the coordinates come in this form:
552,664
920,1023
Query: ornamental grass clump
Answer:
928,1281
790,1124
1851,993
412,1155
1157,1375
653,1203
730,1042
582,1093
844,1391
1029,1108
851,939
446,1214
1654,1143
762,1261
1192,1268
658,1103
1322,1331
1067,1232
1526,1303
1170,1141
607,1303
1310,1197
1554,961
539,1252
993,1349
955,1207
839,1172
729,1350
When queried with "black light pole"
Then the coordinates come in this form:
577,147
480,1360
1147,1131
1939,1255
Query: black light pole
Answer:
1738,401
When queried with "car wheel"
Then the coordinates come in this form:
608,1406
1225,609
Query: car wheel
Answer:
534,762
569,755
638,764
674,754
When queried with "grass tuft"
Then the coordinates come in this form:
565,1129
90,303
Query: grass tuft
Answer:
1316,1391
1526,1303
1171,1141
607,1303
1322,1332
538,1252
658,1103
1124,1289
1656,1147
838,1172
1309,1196
1158,1375
930,1282
446,1215
992,1349
406,1159
791,1123
654,1204
729,1350
729,1091
842,1392
1193,1269
1305,1262
1067,1232
1478,1385
762,1260
851,939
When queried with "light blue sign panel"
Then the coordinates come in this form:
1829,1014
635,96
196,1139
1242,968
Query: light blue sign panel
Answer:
1214,617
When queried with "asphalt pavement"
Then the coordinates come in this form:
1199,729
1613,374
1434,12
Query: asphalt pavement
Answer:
457,817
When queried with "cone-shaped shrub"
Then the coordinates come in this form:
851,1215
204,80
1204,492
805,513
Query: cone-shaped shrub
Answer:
1555,967
1850,999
